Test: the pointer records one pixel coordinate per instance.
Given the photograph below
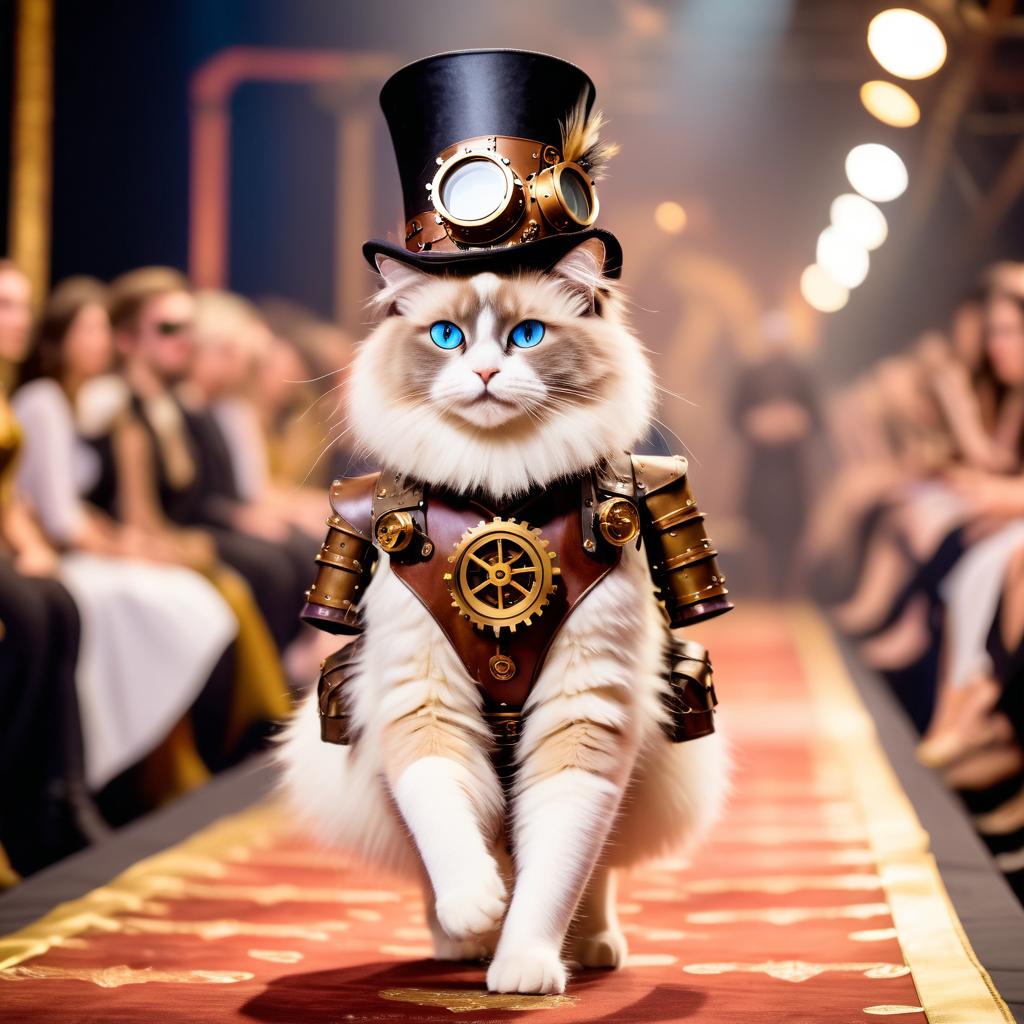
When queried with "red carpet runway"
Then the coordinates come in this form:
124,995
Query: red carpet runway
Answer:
816,900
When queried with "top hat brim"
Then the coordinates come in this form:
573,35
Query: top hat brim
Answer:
540,254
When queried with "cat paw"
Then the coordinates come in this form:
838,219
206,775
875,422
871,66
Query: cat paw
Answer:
475,906
606,948
535,969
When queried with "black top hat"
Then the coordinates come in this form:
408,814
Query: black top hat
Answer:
478,136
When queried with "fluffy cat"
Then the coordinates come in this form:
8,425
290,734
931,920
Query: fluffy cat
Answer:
598,785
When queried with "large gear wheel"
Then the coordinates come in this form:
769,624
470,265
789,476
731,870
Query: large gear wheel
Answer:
502,575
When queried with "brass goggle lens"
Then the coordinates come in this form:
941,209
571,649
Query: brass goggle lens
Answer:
478,196
498,189
474,190
566,196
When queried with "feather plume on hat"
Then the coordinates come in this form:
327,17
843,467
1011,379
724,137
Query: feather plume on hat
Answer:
581,139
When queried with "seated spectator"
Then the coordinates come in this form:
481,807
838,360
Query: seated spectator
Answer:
45,813
152,313
146,618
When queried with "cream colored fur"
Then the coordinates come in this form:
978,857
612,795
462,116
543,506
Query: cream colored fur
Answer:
598,786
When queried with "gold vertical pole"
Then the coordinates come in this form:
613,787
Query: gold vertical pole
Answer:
32,117
352,212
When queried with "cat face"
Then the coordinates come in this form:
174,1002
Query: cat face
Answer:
499,382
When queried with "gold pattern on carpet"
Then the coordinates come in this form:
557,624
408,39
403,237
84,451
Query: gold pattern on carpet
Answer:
459,1001
800,970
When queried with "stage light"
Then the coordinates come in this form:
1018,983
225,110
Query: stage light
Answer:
890,103
842,258
860,219
906,44
821,292
876,172
670,217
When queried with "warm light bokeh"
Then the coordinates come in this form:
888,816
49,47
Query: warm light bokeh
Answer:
890,103
843,258
876,172
906,43
860,219
671,217
821,292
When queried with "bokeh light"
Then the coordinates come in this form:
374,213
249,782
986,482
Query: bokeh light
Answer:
821,292
906,43
841,257
670,217
876,172
890,103
860,219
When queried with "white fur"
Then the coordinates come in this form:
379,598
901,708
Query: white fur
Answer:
597,784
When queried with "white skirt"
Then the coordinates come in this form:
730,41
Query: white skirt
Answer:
151,635
971,593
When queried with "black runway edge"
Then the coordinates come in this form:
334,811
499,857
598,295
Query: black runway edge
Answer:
232,791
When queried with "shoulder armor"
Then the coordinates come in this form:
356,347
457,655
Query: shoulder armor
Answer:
352,502
654,473
682,559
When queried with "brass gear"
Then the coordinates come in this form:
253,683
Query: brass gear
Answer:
502,574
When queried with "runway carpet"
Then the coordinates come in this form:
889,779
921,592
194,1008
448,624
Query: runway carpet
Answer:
815,900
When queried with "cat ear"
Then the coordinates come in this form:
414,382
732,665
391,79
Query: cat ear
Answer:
582,269
399,280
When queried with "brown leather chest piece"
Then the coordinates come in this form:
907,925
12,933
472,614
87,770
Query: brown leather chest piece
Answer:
505,667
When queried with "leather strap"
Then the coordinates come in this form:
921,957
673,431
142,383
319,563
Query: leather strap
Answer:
556,512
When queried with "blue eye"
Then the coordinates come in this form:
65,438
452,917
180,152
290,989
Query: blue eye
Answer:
527,334
444,334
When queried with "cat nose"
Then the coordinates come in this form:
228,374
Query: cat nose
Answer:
486,375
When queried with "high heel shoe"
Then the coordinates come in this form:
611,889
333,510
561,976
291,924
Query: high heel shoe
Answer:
943,749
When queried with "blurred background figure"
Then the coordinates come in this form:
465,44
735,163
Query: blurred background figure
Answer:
776,415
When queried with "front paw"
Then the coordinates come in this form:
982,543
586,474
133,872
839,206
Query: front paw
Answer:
475,905
533,968
605,948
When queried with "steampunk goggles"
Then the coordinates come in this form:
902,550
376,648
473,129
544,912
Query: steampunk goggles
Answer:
500,189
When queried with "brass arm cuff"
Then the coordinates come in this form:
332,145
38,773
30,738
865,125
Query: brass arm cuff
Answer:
343,569
683,560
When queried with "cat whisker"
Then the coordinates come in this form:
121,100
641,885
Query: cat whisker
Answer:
673,394
316,401
323,451
313,380
689,451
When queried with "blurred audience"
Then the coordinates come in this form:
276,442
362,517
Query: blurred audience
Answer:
918,544
161,623
150,572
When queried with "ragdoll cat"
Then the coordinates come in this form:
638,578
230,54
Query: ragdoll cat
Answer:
529,379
